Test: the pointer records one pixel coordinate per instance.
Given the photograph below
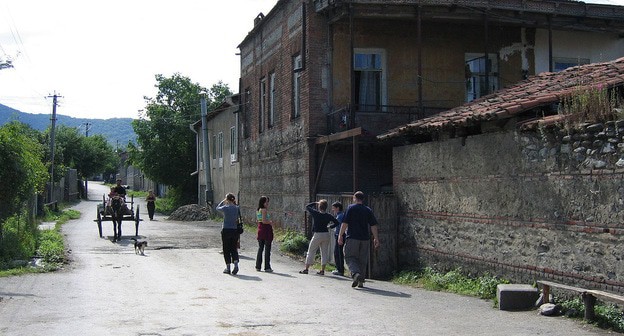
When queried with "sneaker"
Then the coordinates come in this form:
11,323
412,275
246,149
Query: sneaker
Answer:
268,270
257,269
335,272
226,271
235,270
356,279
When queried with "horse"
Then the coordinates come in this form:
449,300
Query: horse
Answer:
116,210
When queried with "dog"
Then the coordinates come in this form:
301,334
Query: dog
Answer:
139,246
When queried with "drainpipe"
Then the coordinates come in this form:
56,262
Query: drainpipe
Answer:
204,113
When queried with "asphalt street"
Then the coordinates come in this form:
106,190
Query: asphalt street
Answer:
178,288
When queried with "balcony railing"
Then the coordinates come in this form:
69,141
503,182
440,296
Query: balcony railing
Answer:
376,119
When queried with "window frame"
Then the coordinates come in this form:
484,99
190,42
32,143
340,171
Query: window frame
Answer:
271,101
383,83
297,64
262,105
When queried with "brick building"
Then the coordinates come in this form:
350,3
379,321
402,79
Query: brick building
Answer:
320,79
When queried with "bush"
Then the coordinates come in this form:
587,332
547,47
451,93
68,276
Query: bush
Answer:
19,237
294,242
51,247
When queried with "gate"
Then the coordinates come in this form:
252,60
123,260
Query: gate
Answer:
382,262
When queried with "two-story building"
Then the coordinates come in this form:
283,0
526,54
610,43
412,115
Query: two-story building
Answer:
321,78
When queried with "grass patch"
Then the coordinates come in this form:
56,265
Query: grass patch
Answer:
606,316
455,281
49,246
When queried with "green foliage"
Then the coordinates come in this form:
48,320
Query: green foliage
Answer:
51,247
166,150
606,316
23,175
20,237
293,242
454,281
88,155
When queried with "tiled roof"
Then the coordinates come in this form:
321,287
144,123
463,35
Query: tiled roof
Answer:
540,90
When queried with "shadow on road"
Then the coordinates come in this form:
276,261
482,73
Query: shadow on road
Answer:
385,292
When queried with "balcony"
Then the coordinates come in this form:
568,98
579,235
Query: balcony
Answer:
377,119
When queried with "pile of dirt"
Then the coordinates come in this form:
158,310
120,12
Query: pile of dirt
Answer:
190,213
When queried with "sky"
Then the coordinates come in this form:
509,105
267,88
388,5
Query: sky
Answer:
101,58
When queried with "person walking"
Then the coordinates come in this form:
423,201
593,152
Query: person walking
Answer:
338,253
265,234
358,223
320,239
151,204
229,232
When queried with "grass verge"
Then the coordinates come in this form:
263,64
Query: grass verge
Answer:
50,247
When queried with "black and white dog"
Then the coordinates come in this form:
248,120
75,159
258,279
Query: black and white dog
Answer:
139,246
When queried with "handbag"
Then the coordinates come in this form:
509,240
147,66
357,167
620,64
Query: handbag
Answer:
239,224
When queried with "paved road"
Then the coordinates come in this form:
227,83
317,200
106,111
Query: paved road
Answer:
177,288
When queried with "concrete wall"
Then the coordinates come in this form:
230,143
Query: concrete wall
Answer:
520,205
597,47
225,171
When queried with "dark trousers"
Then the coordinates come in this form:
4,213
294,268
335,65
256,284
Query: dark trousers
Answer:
339,257
150,209
264,245
230,242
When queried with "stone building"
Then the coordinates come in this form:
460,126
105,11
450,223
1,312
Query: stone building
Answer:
320,79
223,151
526,183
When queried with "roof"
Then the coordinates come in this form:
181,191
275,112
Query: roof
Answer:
540,90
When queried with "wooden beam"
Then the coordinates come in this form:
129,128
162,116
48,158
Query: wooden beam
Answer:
339,136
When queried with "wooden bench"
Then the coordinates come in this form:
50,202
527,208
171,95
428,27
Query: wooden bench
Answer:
589,296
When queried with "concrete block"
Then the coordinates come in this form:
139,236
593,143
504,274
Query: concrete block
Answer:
516,296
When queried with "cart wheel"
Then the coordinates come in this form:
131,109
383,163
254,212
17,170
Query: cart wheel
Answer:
136,221
99,222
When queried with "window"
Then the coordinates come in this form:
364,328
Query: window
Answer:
369,79
296,99
562,63
220,149
476,68
262,106
233,144
271,99
246,116
214,147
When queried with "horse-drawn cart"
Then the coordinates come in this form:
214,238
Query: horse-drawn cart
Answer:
117,211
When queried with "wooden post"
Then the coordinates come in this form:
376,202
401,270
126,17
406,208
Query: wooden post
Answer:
589,301
546,293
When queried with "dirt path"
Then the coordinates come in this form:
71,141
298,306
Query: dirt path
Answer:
177,288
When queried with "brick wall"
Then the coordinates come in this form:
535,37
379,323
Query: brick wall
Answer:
520,205
279,161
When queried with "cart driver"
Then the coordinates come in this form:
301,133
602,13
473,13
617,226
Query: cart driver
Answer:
120,190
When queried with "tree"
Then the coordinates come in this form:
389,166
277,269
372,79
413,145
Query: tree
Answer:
22,171
166,146
88,155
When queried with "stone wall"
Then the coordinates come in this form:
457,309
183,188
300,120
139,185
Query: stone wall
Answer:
523,206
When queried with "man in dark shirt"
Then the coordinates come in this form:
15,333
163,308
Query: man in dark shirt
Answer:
119,189
358,223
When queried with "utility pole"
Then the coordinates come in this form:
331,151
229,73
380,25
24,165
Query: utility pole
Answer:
204,118
52,134
87,128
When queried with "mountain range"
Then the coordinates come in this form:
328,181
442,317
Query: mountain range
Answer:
118,131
